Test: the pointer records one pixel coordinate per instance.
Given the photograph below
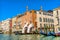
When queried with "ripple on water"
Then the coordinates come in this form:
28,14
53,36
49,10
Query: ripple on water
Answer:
56,38
27,37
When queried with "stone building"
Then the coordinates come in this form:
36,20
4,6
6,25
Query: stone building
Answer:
45,20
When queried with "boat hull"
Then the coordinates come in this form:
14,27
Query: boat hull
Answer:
47,34
55,34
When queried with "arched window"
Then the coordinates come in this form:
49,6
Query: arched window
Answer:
40,19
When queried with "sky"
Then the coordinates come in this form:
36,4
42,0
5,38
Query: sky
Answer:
11,8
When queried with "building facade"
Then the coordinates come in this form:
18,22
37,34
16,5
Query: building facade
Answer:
45,20
27,21
5,26
14,27
0,25
56,13
19,22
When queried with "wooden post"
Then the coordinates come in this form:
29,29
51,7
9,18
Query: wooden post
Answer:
10,28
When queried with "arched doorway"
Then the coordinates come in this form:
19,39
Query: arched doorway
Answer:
25,31
31,29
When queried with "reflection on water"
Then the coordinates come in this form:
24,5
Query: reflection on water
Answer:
27,37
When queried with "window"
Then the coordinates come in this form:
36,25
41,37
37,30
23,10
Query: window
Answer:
46,19
49,20
53,25
43,19
40,19
40,25
52,21
45,25
39,12
57,12
15,24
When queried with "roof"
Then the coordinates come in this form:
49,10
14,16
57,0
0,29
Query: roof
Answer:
57,8
49,11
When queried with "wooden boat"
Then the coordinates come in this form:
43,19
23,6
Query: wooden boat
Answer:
45,33
55,34
1,32
56,31
17,32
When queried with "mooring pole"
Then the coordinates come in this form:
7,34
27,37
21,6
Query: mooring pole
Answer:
10,28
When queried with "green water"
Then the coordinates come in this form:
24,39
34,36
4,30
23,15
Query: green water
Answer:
27,37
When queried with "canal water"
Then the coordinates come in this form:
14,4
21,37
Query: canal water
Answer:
27,37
